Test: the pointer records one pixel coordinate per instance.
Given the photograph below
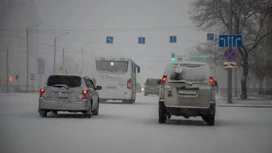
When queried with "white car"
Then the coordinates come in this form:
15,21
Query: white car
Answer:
187,89
72,93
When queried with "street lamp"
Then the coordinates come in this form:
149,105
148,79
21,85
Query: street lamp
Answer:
28,30
55,49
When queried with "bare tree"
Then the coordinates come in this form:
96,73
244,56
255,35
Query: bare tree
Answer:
262,67
249,18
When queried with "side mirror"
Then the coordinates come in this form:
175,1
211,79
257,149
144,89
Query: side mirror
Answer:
159,81
99,88
138,69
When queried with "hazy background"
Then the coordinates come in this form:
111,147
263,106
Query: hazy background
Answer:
88,23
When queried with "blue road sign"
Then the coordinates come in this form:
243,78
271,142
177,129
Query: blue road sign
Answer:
109,40
141,40
230,40
32,76
230,54
173,39
210,36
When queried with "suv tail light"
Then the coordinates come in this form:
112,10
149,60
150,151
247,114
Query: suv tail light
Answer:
41,92
211,80
129,84
164,79
84,94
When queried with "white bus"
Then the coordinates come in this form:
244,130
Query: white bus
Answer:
117,76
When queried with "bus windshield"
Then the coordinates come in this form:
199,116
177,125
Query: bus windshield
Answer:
112,66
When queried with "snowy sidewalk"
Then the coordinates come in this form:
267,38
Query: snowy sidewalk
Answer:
250,102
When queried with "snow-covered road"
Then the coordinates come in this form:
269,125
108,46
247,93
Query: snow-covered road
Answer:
126,128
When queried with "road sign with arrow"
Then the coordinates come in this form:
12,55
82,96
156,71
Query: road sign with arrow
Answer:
230,40
229,65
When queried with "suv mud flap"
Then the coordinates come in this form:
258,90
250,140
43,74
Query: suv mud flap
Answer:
162,112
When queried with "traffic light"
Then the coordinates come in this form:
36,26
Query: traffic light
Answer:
173,57
10,78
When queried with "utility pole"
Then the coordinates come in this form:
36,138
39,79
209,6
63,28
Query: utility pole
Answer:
230,70
27,59
82,60
236,29
235,82
55,51
214,54
63,57
7,69
82,51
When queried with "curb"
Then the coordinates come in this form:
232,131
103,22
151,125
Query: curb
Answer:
240,105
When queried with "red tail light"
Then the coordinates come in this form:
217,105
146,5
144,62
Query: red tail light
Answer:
211,81
164,78
41,92
129,84
84,94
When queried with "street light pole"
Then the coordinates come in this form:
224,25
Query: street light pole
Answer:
28,30
55,49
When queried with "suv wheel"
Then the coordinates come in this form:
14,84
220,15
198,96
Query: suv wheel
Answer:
210,120
54,112
132,101
88,113
129,101
162,113
43,113
95,112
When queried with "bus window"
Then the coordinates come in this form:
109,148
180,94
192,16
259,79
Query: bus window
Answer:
112,66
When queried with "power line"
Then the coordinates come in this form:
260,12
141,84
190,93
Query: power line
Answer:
110,29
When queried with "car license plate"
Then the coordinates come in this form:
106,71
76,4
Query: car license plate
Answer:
187,92
63,95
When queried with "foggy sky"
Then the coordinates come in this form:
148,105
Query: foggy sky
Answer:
90,21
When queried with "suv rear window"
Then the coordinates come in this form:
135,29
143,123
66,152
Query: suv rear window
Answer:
70,81
190,73
151,82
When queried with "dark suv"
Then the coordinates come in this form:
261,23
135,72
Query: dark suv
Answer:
151,86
